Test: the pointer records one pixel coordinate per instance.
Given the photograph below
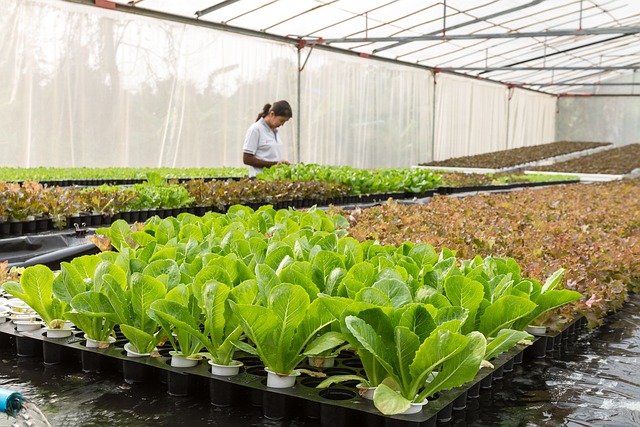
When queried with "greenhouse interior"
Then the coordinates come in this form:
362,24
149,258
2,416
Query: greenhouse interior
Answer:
312,213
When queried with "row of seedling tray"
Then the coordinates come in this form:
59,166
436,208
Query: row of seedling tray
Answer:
336,406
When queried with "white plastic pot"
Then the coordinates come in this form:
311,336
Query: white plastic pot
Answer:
366,392
178,361
91,343
27,325
131,352
415,407
58,332
321,361
536,330
279,380
232,368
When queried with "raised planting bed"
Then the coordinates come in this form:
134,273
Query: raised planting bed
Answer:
360,181
517,157
615,161
499,182
113,176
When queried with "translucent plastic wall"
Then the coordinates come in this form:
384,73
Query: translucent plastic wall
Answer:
471,117
365,113
532,118
474,117
602,118
84,86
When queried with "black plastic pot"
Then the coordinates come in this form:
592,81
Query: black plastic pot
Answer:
498,373
29,226
179,384
5,229
461,402
15,227
53,354
336,415
223,394
28,347
474,391
44,224
275,406
445,414
508,366
486,382
91,362
538,349
135,373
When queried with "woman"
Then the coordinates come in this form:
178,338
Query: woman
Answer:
262,145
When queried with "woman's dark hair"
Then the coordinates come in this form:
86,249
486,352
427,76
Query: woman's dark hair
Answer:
279,108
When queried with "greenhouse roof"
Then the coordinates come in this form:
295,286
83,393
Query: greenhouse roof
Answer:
555,46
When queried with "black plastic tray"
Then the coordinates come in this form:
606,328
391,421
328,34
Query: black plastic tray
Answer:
337,406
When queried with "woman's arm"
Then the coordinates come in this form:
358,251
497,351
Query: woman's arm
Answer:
251,160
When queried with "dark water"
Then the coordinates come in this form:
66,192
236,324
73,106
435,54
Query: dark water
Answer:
594,381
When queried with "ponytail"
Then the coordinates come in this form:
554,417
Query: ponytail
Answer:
264,112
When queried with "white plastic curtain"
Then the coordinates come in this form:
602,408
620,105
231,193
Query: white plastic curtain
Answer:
532,119
471,117
84,86
364,113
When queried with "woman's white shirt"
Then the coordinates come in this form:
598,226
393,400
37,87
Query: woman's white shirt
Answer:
262,142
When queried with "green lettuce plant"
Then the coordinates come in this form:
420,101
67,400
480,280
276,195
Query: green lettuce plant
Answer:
281,330
180,306
411,347
546,298
98,309
132,301
36,289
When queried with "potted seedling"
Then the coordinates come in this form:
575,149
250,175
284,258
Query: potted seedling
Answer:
281,330
410,350
179,308
132,302
219,330
36,290
322,352
546,298
82,284
374,371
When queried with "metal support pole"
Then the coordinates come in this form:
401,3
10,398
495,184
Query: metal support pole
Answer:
433,119
580,20
444,20
299,113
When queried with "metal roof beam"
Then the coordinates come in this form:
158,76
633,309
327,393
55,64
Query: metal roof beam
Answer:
561,68
483,36
210,9
464,24
576,84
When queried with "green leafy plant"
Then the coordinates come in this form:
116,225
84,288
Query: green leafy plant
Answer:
411,347
133,301
546,298
180,306
281,330
36,289
97,310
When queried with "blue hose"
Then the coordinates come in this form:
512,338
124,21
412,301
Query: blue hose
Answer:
10,402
